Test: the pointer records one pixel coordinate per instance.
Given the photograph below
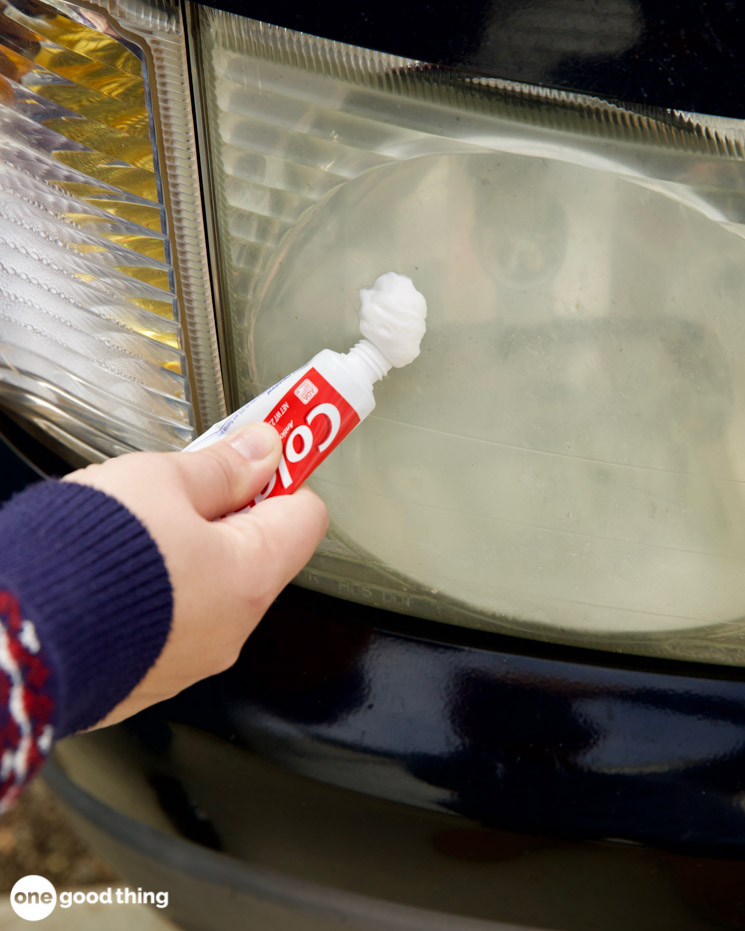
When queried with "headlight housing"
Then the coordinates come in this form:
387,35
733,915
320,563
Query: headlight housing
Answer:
564,461
104,282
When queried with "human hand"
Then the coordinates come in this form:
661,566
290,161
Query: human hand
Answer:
224,573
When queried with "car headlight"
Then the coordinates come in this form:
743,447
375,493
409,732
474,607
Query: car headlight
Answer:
565,460
104,280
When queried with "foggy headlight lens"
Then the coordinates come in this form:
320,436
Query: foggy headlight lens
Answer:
566,458
93,318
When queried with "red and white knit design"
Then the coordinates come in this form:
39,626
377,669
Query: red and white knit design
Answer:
25,706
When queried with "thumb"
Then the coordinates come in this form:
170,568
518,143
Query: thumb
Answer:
225,476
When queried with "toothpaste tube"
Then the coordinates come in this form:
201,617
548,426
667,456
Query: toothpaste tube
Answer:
317,405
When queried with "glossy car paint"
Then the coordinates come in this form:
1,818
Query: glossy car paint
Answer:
556,742
241,842
345,772
683,55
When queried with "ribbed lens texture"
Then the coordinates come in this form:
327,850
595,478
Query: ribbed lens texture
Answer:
91,343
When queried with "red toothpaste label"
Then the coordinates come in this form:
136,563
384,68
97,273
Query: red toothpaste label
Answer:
312,419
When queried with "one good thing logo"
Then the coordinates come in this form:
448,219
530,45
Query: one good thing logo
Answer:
34,897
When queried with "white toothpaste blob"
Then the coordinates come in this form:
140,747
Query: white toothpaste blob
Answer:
392,317
316,406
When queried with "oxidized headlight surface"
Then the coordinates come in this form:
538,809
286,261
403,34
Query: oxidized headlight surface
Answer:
94,317
566,458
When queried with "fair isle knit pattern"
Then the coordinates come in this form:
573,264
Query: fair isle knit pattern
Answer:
26,705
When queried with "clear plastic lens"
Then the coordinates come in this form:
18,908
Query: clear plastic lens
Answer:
565,460
87,301
105,283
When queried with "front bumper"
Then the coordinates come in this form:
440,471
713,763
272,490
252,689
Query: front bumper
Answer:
347,775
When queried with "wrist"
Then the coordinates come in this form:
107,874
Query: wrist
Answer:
94,583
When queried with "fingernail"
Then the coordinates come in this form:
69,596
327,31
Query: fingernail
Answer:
255,442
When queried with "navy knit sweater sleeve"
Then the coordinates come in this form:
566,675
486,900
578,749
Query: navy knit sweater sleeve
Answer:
85,609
